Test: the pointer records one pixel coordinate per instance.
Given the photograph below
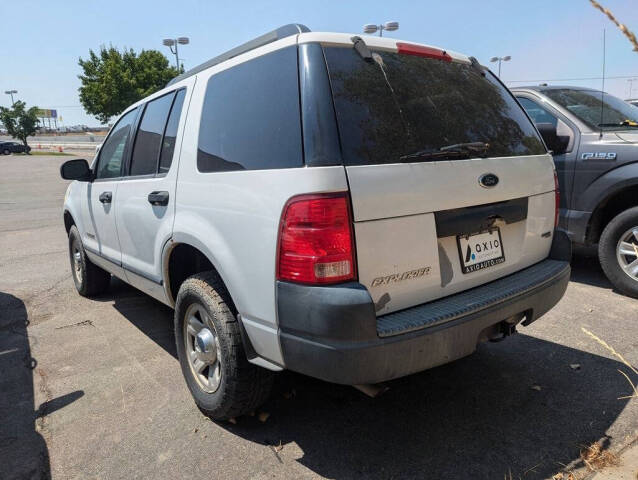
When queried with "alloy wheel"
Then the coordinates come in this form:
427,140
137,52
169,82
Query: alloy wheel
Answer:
627,252
202,350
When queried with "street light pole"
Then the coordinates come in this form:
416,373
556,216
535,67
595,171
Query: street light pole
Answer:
11,92
506,58
372,28
173,42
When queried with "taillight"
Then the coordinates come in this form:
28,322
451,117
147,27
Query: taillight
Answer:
316,244
557,199
421,51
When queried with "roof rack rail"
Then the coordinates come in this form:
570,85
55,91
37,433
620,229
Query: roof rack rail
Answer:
266,38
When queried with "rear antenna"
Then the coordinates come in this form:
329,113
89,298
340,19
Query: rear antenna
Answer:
602,92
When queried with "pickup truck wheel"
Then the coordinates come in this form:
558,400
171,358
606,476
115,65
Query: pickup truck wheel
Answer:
6,151
211,353
618,252
89,279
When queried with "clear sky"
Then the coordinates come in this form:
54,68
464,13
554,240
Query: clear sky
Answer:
547,39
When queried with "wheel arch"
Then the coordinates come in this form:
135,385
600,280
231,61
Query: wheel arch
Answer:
184,258
614,203
69,221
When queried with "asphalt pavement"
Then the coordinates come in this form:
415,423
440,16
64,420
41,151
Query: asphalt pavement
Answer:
93,389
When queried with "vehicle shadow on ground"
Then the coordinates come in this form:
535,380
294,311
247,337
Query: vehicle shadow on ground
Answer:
23,450
586,269
517,406
523,406
150,316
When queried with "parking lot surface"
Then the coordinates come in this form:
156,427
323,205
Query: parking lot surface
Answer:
93,389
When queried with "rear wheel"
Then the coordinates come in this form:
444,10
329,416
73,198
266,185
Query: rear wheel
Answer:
89,279
211,353
618,252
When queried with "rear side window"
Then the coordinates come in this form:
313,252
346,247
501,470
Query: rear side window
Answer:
402,108
170,136
250,118
149,136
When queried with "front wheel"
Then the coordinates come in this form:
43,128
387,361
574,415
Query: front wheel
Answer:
89,279
211,353
6,151
618,252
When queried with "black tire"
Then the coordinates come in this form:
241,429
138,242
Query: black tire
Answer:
607,251
6,151
89,279
243,386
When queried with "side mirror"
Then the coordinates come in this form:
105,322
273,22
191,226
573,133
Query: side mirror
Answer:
76,170
556,143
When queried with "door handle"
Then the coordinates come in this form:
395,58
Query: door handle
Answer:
159,199
106,197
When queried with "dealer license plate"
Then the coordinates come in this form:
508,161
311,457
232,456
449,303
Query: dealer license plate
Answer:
481,250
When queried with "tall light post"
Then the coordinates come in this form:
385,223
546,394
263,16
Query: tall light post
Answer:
372,28
173,42
11,92
506,58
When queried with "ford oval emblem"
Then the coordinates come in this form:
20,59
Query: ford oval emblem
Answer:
488,180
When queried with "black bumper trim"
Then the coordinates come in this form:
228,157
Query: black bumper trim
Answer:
369,359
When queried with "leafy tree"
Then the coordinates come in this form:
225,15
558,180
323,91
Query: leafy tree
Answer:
113,80
19,121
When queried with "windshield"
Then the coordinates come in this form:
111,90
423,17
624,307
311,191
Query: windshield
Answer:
615,114
404,108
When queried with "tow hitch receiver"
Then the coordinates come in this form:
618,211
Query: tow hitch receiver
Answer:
506,328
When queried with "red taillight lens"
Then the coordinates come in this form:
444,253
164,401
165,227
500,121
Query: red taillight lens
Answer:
557,197
421,51
316,244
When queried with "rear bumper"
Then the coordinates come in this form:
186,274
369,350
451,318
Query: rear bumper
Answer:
332,333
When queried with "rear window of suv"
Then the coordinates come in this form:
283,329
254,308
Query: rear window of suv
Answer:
400,105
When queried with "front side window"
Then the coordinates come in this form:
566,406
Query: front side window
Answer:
404,108
112,151
250,117
148,140
537,113
611,113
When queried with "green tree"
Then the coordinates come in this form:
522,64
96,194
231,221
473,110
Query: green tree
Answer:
113,80
19,121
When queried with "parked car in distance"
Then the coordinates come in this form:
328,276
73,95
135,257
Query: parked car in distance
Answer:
633,101
597,164
336,213
7,148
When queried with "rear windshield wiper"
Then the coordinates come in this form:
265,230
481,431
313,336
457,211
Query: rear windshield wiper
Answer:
470,146
456,150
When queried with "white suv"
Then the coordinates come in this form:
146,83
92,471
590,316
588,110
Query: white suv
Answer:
354,209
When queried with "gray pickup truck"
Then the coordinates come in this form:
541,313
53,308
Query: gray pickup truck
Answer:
595,150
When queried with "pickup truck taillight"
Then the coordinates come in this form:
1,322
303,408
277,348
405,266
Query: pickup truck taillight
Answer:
557,198
316,243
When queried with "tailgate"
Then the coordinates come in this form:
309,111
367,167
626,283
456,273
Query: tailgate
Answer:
410,254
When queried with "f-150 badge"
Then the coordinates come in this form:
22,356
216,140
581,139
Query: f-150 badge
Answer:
598,156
